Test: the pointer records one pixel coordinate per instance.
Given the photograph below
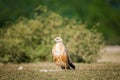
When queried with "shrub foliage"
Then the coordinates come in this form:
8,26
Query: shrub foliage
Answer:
31,40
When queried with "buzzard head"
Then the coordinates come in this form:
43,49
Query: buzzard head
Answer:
58,40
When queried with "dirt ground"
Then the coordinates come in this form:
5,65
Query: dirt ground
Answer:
47,71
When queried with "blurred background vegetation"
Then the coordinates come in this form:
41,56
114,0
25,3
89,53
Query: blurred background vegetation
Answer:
103,14
26,30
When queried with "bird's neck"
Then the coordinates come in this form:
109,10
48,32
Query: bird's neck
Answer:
59,43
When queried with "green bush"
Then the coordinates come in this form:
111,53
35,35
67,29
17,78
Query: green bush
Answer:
31,40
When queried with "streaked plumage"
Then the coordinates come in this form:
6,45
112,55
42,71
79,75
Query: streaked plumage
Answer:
60,55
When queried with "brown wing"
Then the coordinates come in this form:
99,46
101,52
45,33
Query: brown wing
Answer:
70,64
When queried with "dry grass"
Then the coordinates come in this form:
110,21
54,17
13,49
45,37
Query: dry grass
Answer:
32,71
47,71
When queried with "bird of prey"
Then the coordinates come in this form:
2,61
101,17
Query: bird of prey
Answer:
60,55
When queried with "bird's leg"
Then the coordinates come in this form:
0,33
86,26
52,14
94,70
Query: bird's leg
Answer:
65,66
57,67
